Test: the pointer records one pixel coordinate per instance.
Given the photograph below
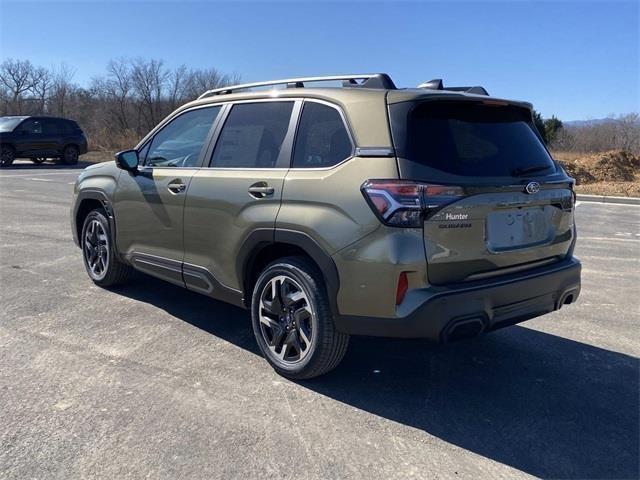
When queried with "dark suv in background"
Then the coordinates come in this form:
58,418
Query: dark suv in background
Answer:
39,138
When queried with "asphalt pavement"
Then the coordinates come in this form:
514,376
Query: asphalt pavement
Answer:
152,381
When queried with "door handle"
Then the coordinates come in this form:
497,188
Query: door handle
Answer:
176,187
261,190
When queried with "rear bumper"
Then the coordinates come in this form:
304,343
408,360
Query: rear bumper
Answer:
448,313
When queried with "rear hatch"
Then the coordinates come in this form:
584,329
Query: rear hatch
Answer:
508,207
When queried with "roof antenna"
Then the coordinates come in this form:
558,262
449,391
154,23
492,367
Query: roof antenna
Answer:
435,84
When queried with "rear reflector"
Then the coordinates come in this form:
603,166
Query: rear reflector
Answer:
403,285
402,203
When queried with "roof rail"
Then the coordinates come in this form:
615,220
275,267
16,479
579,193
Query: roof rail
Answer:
437,84
368,80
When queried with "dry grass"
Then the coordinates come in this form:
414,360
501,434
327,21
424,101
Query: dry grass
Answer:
98,156
615,172
615,189
563,156
106,139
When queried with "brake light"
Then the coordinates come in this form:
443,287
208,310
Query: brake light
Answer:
403,285
403,203
495,103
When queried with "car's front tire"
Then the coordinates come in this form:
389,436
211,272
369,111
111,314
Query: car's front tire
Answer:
70,155
98,252
292,320
7,156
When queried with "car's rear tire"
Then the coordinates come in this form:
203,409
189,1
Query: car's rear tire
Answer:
99,254
70,155
292,320
7,155
38,160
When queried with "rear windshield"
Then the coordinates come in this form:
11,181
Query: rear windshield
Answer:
471,139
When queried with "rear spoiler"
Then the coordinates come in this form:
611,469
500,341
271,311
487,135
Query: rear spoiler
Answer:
437,84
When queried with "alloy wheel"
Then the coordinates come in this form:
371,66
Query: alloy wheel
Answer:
71,155
96,249
286,319
6,156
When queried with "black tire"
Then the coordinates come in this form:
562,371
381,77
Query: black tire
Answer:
70,155
114,272
7,156
38,160
326,345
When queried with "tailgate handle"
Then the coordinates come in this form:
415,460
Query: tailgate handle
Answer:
514,204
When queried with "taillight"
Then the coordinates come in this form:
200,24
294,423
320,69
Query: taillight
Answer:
403,285
403,203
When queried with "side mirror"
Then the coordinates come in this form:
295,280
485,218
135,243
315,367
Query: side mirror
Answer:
128,160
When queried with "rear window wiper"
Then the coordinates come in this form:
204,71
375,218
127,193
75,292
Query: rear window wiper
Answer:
530,169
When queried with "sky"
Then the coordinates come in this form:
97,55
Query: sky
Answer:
573,59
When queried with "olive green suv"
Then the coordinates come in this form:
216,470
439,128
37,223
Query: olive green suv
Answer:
357,208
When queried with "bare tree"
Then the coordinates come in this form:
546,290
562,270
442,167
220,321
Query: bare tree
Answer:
178,83
42,83
149,79
628,132
61,89
202,80
118,87
18,77
614,133
117,107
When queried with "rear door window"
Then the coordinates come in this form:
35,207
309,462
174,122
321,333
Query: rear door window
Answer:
33,127
472,139
252,135
322,139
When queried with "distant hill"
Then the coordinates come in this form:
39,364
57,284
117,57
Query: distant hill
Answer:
588,123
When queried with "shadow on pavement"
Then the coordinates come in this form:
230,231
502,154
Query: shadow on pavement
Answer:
543,404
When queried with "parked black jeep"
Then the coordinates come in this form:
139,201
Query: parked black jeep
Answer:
39,138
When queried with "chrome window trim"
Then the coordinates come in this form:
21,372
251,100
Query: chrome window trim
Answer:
240,169
149,168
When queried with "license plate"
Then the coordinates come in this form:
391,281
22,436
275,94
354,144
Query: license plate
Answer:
519,228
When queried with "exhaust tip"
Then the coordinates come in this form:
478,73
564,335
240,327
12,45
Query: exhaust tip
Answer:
466,328
568,298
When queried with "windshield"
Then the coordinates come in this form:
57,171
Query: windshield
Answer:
473,139
7,124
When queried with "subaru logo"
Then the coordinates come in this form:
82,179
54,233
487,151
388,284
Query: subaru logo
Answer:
532,187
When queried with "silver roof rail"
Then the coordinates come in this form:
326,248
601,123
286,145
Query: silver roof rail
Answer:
371,80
